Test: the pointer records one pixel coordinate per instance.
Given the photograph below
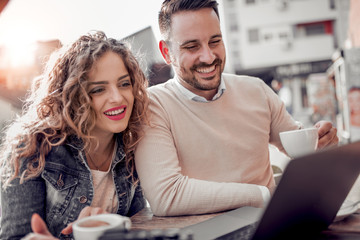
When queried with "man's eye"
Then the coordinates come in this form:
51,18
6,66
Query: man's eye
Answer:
215,42
191,47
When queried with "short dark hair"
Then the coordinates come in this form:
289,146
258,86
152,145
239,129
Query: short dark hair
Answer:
170,7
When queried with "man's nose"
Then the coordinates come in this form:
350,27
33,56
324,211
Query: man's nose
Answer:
207,55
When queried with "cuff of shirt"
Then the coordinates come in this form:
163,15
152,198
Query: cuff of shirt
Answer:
265,194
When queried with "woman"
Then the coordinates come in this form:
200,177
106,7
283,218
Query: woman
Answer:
73,146
354,107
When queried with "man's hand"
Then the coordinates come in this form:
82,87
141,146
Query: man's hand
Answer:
327,134
40,230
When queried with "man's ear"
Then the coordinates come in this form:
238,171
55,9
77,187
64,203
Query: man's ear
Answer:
164,49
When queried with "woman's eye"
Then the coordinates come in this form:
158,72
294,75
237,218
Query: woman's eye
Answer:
125,83
96,90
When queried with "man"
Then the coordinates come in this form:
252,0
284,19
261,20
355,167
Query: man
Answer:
207,147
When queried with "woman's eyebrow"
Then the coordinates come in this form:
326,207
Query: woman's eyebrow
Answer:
106,82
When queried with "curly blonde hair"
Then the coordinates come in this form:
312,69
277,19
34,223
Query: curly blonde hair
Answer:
59,106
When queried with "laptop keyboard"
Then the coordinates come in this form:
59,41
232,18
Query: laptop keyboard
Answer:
155,234
244,233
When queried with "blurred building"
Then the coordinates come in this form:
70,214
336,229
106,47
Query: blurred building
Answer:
285,41
43,51
145,46
16,79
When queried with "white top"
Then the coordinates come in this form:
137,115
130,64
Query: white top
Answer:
104,189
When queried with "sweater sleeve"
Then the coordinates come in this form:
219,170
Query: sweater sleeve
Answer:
171,193
281,120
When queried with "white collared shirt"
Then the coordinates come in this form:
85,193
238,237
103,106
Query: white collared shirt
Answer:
192,96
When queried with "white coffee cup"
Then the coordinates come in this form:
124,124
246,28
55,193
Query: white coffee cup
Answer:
300,142
92,227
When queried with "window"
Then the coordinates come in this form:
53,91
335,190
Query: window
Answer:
315,28
250,2
332,4
268,36
283,35
234,27
233,24
231,3
253,35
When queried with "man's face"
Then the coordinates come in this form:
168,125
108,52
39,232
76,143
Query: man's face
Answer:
197,51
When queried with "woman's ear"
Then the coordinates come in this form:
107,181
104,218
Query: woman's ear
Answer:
164,49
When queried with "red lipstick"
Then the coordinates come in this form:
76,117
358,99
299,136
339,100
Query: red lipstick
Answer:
115,114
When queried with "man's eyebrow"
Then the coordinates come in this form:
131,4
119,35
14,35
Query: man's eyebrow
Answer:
195,41
106,82
187,42
217,35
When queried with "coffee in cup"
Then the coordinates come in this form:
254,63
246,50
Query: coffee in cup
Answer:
299,142
92,227
93,223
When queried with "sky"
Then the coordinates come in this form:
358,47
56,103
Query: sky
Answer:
25,21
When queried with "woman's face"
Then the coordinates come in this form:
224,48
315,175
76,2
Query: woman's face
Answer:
112,95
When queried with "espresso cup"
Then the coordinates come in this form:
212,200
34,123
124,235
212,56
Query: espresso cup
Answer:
299,142
92,227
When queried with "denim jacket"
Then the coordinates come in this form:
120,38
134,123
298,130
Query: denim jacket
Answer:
62,190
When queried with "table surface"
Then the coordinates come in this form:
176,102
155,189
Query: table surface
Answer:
145,220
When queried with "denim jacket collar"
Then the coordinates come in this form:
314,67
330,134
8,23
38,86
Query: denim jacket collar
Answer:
77,145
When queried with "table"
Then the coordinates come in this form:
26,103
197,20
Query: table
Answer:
145,220
348,228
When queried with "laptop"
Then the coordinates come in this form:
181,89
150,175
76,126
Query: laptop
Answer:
305,202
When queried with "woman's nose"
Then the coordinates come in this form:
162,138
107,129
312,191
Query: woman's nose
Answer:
115,95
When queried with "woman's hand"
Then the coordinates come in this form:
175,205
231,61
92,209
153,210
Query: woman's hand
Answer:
40,230
87,211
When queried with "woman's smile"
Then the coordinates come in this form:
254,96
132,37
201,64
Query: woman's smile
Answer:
116,113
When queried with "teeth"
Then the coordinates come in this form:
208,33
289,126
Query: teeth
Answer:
116,112
206,70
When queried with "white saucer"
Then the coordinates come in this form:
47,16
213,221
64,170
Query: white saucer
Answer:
346,209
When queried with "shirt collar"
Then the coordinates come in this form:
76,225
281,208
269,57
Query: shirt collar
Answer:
192,96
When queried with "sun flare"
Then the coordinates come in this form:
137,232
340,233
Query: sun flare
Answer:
19,48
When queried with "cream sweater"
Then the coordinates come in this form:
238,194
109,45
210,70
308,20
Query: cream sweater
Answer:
206,157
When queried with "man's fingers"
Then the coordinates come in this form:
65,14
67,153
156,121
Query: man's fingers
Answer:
323,128
329,139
